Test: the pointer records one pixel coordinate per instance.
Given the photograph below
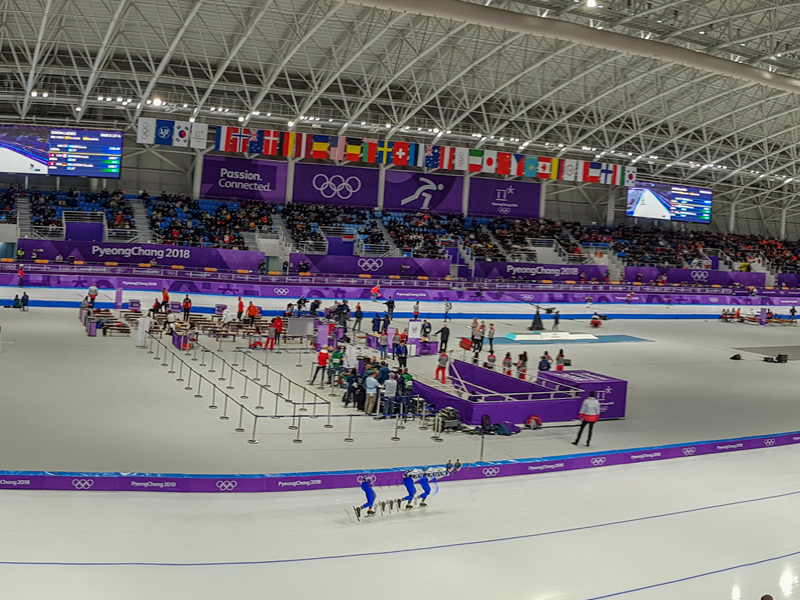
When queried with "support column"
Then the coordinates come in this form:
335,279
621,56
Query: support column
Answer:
784,212
732,217
465,195
197,175
611,208
381,185
290,180
543,199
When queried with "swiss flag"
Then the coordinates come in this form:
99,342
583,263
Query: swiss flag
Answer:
504,163
400,153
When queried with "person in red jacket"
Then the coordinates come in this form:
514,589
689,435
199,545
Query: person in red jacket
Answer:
322,364
240,311
278,322
187,307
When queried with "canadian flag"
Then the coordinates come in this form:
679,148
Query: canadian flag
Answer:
545,165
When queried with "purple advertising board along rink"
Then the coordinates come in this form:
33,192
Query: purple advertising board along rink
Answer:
328,184
229,177
503,198
532,271
700,276
407,190
375,266
164,255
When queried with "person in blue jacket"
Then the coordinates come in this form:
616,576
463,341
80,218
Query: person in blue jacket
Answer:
376,323
370,493
424,483
408,481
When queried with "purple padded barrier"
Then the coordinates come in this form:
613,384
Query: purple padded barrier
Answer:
351,265
507,270
226,484
188,256
701,276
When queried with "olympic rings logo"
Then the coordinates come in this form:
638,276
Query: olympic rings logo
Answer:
699,275
370,264
689,451
598,461
491,471
82,484
227,486
769,442
336,186
371,478
281,291
527,297
713,300
504,210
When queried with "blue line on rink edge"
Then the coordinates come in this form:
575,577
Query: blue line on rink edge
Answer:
525,536
42,480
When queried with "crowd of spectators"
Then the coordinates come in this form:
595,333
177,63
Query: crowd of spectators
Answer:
8,205
421,234
47,207
517,235
304,221
180,220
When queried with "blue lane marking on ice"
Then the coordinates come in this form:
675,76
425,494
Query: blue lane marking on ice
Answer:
697,576
279,561
601,339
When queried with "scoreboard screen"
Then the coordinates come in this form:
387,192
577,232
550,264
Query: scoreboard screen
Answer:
32,150
669,202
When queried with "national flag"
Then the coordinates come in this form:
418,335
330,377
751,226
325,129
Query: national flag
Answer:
146,131
554,166
489,161
180,135
164,132
369,151
432,156
518,165
531,166
617,174
255,143
475,160
353,149
568,170
400,153
415,155
304,145
630,176
286,144
271,142
231,139
461,162
385,152
447,157
545,167
590,172
606,174
199,136
320,146
503,163
336,147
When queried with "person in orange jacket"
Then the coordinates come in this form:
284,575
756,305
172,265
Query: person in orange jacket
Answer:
240,311
164,299
252,314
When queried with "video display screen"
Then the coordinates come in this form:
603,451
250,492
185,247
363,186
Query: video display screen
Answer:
669,202
60,151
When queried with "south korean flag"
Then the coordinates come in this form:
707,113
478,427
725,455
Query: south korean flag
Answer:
180,135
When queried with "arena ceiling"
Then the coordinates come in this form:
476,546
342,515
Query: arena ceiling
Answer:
703,92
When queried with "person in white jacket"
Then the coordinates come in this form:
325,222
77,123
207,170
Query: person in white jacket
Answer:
588,414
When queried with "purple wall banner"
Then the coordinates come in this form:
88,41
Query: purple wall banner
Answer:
788,280
351,265
328,184
699,276
509,270
188,256
81,231
502,198
228,177
407,190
